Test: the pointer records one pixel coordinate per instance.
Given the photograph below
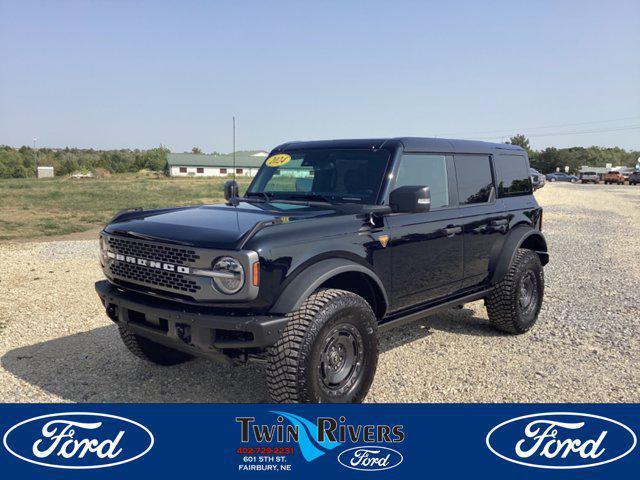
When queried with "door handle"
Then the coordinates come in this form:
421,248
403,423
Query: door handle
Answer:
451,230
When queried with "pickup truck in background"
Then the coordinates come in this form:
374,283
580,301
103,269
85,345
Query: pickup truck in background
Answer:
589,177
613,177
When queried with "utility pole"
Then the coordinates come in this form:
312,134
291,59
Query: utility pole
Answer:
234,147
35,157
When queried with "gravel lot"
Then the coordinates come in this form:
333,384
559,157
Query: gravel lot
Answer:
56,344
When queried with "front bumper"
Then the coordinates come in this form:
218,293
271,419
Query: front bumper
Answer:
188,328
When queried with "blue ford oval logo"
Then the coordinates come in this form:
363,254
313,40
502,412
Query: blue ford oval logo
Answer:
370,458
561,440
78,440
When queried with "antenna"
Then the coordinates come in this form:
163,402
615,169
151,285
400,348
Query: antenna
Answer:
234,147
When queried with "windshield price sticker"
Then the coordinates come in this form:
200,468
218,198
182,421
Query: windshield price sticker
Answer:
278,160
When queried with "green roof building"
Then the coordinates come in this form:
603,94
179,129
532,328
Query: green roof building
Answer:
202,165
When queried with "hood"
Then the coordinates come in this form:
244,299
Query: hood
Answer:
208,226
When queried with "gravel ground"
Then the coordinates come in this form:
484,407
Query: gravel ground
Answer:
56,344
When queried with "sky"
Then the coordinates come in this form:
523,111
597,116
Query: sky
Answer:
138,74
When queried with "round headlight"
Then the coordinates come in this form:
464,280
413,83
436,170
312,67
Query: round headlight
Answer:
228,275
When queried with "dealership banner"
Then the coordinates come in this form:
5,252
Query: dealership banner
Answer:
312,441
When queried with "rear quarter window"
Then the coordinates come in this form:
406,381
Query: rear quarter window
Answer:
513,175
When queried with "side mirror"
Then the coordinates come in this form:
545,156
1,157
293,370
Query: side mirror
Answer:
410,199
230,190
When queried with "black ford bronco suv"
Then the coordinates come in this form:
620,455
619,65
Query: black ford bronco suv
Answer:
333,243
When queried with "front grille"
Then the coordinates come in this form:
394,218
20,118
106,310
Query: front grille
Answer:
154,276
149,251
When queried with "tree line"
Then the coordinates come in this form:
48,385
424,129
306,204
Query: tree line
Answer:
20,162
547,160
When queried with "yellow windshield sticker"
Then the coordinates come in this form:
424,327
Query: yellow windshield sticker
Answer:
278,160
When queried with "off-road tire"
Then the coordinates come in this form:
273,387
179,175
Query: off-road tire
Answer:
503,303
151,351
294,372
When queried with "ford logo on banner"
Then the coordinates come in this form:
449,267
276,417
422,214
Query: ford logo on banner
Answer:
78,440
561,440
370,458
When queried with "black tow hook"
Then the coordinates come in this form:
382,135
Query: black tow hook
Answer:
184,332
112,312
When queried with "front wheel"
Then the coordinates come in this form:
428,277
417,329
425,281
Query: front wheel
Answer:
328,352
514,304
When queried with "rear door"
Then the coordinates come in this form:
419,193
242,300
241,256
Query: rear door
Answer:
483,222
426,247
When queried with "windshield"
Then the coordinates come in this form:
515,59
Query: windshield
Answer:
333,175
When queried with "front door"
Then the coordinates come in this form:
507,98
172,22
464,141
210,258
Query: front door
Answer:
426,248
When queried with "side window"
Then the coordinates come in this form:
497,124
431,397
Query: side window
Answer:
429,170
473,173
513,175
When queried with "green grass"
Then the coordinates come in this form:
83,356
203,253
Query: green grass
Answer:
37,208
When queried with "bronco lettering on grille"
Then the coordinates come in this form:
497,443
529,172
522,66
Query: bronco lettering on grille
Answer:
148,263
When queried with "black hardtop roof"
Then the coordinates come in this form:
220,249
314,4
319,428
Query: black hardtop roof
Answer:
409,144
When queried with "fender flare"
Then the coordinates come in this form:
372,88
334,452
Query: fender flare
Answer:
514,240
308,281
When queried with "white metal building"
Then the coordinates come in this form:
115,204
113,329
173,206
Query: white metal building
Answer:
201,165
45,172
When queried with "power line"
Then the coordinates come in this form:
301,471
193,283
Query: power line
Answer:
558,125
558,134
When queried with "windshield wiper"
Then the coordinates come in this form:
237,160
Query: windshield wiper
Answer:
310,196
257,194
293,198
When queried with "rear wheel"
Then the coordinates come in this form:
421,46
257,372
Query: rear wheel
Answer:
151,351
514,304
328,352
